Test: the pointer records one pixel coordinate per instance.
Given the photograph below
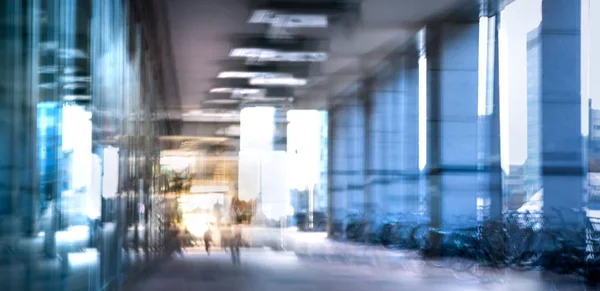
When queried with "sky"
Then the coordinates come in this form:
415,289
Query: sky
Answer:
517,19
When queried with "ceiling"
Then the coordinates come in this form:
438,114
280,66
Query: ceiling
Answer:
204,31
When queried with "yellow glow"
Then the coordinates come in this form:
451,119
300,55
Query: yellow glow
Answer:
197,223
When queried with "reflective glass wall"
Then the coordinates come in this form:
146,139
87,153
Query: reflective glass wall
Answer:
81,206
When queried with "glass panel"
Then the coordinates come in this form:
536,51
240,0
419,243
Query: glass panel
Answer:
590,93
519,69
57,139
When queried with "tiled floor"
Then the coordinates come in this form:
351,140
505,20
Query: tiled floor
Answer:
267,270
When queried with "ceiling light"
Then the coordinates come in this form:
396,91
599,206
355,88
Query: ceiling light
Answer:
273,99
72,54
48,69
221,90
251,75
278,82
212,115
77,97
74,86
240,75
250,52
266,55
239,91
68,79
71,70
277,19
297,21
48,85
221,101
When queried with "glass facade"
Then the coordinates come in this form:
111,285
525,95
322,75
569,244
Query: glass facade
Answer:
81,202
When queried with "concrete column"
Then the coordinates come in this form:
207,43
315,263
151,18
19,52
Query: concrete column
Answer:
407,139
394,202
355,154
333,180
377,110
452,75
392,136
346,158
337,173
560,101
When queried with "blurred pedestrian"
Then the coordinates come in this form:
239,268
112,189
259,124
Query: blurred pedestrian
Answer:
225,237
235,244
207,240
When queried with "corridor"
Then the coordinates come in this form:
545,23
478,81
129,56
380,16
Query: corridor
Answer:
342,144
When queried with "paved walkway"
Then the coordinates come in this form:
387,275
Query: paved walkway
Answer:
267,270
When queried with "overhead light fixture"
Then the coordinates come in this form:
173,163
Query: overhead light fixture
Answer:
278,82
221,101
77,98
237,75
252,75
212,115
53,85
272,99
241,91
74,86
81,79
48,69
251,52
285,20
72,54
268,55
71,70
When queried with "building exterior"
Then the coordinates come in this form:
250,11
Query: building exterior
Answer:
532,170
593,158
514,187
